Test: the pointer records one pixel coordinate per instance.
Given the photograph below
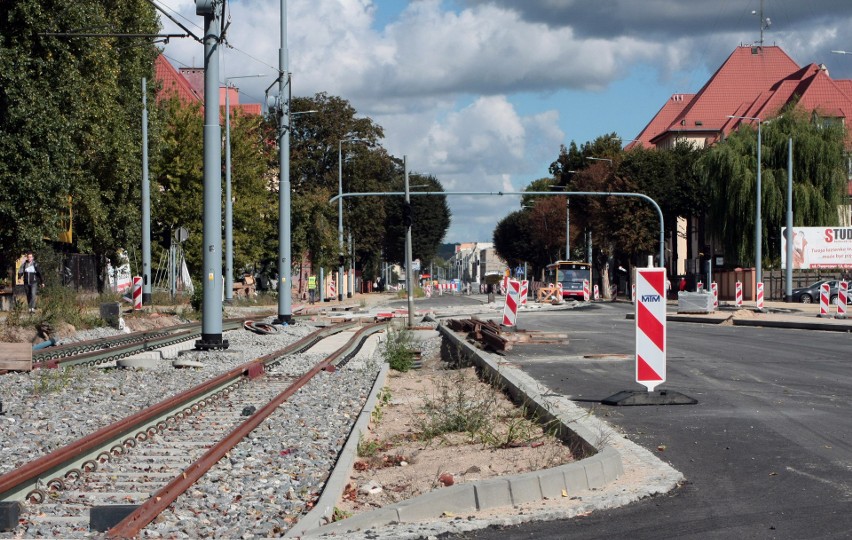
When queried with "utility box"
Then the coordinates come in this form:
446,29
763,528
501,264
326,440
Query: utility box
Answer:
694,302
111,313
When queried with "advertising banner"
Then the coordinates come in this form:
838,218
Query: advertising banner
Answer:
819,247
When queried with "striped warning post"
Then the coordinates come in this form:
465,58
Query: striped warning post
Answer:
714,288
759,300
633,293
597,295
738,299
650,327
510,307
559,297
332,290
699,286
842,296
824,308
525,287
585,290
137,292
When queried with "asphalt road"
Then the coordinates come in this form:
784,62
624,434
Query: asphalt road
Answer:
767,452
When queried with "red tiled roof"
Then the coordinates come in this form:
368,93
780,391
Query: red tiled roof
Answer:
173,83
754,82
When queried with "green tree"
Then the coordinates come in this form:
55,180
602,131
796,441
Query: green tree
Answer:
70,110
819,181
430,215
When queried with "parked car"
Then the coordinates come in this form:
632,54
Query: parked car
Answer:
809,294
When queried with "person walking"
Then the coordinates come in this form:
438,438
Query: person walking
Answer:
312,288
30,273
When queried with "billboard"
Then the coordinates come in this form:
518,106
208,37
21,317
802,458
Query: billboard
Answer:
819,247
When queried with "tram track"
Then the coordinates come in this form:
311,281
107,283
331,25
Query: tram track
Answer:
214,406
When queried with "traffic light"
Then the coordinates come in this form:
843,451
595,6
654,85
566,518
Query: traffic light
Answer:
406,215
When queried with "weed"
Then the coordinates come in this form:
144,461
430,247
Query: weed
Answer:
384,397
398,351
459,405
49,381
337,514
368,447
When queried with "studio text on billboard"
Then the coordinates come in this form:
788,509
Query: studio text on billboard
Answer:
819,247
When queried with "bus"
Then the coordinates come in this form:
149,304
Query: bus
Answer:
571,275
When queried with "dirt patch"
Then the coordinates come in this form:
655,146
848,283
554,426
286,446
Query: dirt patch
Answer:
406,453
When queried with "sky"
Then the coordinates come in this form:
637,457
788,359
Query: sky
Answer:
482,93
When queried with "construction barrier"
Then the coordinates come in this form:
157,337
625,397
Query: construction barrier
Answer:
651,327
759,301
585,290
510,307
824,304
559,297
597,294
332,290
137,292
633,293
738,300
699,286
714,288
842,296
525,286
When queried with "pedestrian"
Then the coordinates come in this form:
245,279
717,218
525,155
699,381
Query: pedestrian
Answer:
30,273
682,286
312,288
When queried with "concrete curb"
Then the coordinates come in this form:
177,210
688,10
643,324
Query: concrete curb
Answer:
597,469
337,480
828,325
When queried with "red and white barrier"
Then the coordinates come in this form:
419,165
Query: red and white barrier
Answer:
714,288
585,290
525,286
332,290
738,299
650,327
759,302
824,307
559,298
842,296
699,286
137,292
597,293
633,293
510,307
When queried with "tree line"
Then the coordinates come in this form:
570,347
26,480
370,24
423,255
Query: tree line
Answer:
712,188
70,148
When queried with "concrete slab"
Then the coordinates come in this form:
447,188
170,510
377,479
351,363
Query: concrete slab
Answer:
187,363
493,493
454,499
145,360
525,488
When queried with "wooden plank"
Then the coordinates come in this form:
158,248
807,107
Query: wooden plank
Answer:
16,356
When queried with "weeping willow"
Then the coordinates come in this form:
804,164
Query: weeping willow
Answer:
729,170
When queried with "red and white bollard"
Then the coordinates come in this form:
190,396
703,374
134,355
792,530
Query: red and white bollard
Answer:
597,293
559,296
633,293
332,290
842,295
585,290
738,300
510,307
525,285
137,292
699,286
651,327
759,301
824,304
714,288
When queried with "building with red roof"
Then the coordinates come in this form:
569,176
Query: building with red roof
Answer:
755,81
188,85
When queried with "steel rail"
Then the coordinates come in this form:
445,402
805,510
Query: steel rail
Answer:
23,482
130,526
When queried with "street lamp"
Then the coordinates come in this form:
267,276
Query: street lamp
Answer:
340,213
229,203
758,270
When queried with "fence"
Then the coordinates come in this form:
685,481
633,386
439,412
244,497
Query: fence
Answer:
775,282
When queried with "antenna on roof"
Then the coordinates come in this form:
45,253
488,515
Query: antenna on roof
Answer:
764,23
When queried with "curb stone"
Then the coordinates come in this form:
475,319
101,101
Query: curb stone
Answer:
591,480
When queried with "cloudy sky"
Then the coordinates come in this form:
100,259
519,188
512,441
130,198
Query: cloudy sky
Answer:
481,93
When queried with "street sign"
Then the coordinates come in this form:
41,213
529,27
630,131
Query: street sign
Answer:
650,327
